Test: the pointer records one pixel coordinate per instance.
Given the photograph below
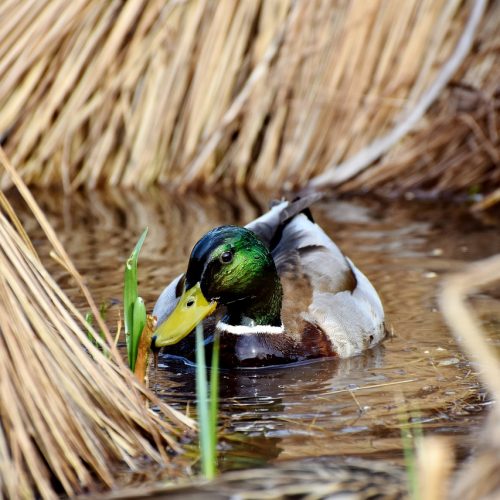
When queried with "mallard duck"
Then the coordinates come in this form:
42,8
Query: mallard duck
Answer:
278,290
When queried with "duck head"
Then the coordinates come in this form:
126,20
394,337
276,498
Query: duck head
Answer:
232,267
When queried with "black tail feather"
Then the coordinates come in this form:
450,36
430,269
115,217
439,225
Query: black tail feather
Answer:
299,205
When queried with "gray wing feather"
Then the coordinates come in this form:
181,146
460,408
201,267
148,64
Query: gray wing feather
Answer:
344,303
267,225
305,247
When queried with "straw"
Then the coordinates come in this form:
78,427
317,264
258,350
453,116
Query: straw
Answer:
70,417
259,93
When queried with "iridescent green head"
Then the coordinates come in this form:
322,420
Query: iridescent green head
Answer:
229,266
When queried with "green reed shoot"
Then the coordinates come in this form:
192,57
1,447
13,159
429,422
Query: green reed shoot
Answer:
207,414
409,435
134,310
135,320
89,319
214,393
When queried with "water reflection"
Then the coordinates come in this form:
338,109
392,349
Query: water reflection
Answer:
306,379
327,407
261,407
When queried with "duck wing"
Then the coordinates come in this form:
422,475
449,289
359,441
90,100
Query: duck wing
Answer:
304,248
295,241
269,226
327,299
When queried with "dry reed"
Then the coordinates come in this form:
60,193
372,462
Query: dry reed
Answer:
322,478
257,92
69,416
479,477
435,460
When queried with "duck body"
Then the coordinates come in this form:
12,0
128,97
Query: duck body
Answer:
286,294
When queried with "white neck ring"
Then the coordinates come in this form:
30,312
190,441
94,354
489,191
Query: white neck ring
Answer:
247,330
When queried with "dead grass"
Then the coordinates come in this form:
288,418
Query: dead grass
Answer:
457,147
69,415
256,92
478,477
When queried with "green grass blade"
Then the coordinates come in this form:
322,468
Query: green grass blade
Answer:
408,441
130,293
89,319
138,324
214,397
103,311
207,462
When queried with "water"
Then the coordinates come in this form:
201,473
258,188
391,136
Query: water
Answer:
349,407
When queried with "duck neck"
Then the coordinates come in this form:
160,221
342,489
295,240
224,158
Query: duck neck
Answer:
262,309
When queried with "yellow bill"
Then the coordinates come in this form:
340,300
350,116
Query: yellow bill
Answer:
190,310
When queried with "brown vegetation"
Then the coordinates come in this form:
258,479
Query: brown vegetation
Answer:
69,414
479,477
265,93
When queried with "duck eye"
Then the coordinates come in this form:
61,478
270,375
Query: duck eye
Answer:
226,257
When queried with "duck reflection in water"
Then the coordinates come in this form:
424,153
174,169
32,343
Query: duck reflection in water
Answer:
261,407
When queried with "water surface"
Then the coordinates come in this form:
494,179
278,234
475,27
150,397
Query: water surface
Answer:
330,407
